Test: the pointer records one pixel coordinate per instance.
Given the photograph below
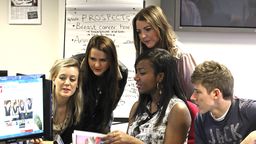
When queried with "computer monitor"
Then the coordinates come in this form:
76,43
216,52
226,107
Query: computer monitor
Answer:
20,74
25,110
3,73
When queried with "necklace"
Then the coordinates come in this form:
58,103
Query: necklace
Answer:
99,90
58,128
99,93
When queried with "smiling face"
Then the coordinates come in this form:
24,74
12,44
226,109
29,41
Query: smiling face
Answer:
66,81
98,61
145,78
147,34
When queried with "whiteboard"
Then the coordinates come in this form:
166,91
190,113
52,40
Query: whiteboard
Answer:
105,4
82,25
86,19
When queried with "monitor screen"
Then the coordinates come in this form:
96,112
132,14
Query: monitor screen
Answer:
25,112
3,72
217,14
211,15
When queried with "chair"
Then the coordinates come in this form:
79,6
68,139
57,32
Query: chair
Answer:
193,112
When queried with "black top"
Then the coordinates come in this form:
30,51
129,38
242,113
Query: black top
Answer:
123,70
237,124
93,123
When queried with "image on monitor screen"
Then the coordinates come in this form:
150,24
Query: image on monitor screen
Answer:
22,111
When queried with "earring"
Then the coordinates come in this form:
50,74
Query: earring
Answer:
158,87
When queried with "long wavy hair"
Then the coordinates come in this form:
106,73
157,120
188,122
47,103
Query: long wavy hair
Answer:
155,17
108,82
75,103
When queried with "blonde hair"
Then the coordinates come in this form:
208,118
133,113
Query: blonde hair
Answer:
76,101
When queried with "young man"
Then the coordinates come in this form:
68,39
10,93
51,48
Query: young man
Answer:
223,119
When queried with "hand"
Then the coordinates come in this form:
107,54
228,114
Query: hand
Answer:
36,141
117,137
40,141
250,139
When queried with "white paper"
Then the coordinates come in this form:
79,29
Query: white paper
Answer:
24,11
85,137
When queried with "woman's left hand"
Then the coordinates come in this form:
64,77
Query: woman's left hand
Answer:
117,137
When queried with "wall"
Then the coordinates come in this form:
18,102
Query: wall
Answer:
29,48
33,48
235,50
152,2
